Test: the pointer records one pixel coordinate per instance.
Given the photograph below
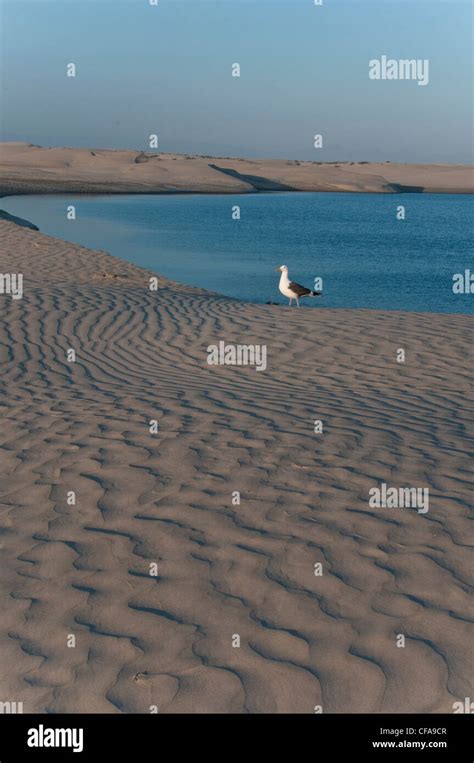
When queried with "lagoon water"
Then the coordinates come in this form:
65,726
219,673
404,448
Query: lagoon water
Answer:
354,242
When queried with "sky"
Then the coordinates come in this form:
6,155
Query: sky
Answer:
304,70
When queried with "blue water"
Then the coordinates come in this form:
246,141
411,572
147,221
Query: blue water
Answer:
354,242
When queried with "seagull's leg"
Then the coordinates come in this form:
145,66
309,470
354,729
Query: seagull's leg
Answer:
297,302
291,300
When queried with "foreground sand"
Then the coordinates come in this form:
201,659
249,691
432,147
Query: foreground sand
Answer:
225,569
25,168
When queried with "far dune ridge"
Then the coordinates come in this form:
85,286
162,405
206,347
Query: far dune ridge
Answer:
26,168
221,553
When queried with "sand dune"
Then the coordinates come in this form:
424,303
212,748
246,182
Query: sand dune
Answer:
25,168
225,569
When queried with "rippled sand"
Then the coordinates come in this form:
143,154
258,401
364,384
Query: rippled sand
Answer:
225,569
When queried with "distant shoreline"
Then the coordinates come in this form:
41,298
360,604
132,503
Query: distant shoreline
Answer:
29,169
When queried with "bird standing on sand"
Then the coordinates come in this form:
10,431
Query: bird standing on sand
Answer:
293,290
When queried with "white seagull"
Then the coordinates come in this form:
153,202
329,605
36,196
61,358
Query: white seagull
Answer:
293,290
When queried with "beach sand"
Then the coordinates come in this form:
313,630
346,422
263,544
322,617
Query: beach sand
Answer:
165,641
26,168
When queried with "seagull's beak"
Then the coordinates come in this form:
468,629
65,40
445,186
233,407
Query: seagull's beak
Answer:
278,268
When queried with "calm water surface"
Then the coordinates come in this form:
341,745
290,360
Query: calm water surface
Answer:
354,242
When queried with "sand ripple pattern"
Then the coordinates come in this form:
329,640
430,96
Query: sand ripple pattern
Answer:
225,569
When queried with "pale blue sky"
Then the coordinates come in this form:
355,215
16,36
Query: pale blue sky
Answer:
304,70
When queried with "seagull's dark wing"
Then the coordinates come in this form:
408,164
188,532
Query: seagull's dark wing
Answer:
299,290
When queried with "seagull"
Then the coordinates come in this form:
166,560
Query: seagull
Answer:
293,290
